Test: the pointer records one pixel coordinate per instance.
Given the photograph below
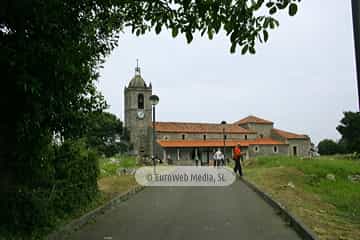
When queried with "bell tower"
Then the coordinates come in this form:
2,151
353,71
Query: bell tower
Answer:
137,115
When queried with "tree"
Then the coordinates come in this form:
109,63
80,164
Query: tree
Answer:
330,147
51,52
105,133
349,128
50,55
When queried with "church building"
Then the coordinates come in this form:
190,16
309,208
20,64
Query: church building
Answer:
182,141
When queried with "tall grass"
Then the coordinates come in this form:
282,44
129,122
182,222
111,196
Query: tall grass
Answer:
342,193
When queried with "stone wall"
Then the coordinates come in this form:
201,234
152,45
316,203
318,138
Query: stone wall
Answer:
200,136
302,147
261,129
139,128
267,150
186,154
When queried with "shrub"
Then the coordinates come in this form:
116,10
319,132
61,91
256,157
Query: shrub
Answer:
330,147
76,175
33,209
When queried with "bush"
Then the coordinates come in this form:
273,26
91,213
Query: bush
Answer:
32,210
330,147
76,175
26,205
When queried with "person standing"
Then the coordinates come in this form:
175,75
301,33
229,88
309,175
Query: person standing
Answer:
217,157
212,158
197,160
237,156
169,160
222,159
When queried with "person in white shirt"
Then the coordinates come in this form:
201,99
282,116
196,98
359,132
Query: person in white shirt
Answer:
222,159
217,157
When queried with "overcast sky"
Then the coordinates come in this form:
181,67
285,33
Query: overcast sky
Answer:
302,79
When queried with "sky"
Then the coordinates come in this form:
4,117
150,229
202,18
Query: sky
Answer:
302,79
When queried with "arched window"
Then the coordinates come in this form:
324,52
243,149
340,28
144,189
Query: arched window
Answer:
204,137
275,149
183,137
245,137
141,101
261,136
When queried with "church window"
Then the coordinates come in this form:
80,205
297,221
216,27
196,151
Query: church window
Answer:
256,149
141,101
261,136
245,137
275,149
225,137
294,151
183,137
204,137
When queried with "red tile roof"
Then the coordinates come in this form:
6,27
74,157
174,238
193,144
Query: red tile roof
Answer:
187,127
253,119
288,135
218,143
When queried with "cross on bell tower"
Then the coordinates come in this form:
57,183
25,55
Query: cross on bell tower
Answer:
137,68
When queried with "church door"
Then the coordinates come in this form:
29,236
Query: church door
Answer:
294,150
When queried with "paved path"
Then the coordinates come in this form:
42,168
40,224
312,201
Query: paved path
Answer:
160,213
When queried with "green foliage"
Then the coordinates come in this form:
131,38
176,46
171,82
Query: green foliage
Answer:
76,172
342,193
330,147
70,184
49,57
106,134
293,8
110,166
349,128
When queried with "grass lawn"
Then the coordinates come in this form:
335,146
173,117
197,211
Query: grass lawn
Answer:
110,182
331,208
110,166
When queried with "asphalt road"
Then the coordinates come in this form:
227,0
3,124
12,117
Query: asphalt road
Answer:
160,213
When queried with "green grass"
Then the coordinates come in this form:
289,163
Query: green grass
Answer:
342,193
110,166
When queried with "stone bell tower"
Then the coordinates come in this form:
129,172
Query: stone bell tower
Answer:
137,115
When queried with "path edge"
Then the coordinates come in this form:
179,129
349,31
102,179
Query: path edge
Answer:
299,227
64,231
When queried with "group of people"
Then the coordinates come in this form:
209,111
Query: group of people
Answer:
218,159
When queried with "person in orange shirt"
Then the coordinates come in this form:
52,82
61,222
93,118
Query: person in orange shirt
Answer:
237,156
